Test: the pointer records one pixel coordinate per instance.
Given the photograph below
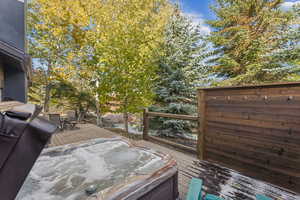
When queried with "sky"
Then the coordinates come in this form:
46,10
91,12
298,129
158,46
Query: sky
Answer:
199,11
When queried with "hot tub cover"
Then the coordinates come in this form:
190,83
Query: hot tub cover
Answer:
107,168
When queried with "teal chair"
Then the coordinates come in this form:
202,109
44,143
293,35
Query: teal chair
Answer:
262,197
195,191
212,197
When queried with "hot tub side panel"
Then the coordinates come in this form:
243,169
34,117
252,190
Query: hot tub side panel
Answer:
167,190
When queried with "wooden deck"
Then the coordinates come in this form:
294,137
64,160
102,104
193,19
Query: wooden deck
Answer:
87,132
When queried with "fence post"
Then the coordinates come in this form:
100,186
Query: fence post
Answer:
201,124
145,124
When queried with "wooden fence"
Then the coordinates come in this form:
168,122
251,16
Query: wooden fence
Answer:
253,129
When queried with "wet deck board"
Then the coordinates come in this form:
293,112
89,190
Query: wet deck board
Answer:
231,185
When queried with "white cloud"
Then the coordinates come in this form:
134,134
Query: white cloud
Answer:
197,20
288,5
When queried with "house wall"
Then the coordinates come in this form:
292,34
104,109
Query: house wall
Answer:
12,18
1,76
14,68
15,85
255,130
1,80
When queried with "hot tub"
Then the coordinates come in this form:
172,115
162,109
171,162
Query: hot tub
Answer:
101,169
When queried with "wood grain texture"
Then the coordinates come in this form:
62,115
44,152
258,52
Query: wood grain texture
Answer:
255,129
201,124
173,116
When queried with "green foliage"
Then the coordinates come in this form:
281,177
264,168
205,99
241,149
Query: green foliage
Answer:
131,57
72,97
104,51
36,93
180,69
286,60
246,35
52,41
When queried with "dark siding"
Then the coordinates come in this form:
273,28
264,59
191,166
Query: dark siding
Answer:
15,83
12,20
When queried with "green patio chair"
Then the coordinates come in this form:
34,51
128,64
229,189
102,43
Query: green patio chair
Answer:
262,197
195,190
212,197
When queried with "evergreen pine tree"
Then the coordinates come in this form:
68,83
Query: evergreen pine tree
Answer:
286,60
246,34
180,70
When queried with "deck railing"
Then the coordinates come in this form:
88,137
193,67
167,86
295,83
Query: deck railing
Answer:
147,136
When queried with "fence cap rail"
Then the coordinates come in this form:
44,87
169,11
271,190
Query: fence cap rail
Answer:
281,84
174,116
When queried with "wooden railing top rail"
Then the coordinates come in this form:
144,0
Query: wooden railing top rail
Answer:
173,116
266,85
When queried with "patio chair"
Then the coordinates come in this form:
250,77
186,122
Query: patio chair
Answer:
195,192
71,115
70,121
56,119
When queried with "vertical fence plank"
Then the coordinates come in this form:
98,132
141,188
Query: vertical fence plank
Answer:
201,124
145,124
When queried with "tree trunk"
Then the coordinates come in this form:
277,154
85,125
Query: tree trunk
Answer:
48,88
98,113
47,98
83,113
125,115
80,113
